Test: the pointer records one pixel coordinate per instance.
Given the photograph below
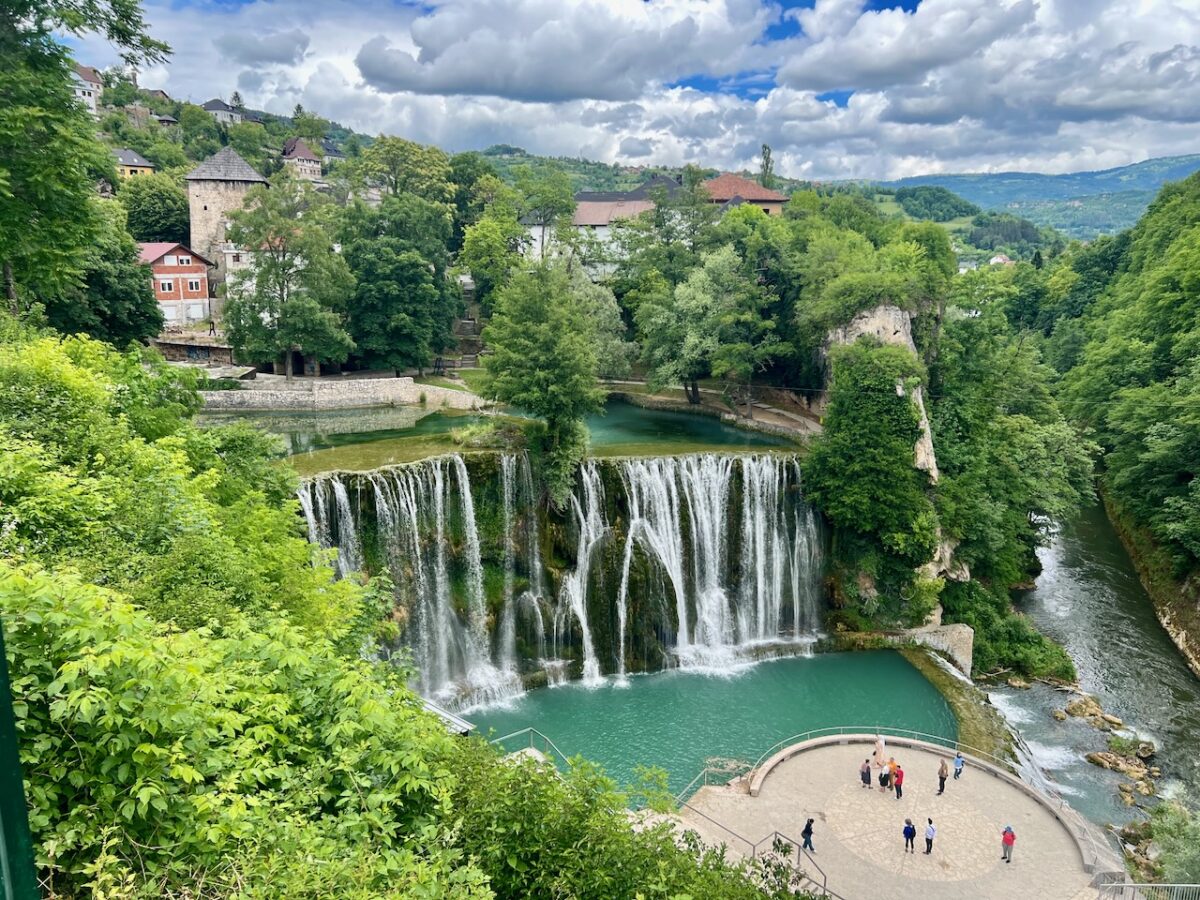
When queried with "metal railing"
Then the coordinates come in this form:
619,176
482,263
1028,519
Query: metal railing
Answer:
1149,892
531,739
711,775
1083,831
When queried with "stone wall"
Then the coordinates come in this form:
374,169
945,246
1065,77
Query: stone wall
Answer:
209,205
343,394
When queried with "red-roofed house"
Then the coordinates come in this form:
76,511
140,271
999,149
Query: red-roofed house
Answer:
180,281
733,190
299,157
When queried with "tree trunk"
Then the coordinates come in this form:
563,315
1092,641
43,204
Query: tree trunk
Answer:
10,289
287,365
692,389
749,400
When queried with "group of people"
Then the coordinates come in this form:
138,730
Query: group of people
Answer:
891,777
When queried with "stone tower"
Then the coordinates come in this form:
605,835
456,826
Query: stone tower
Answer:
216,188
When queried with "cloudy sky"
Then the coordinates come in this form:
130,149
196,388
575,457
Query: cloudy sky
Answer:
839,88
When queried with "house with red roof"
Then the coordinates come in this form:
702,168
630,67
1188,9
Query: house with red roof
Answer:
301,160
180,279
731,190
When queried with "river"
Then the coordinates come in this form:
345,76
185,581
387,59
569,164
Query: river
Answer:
1089,599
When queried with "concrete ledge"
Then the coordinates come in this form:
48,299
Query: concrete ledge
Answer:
321,394
1091,848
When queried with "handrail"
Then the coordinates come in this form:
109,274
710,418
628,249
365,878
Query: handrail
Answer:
531,732
1130,891
733,773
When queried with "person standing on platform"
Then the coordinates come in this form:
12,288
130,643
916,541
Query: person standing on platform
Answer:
1007,839
930,834
807,834
898,781
864,773
959,762
943,774
910,836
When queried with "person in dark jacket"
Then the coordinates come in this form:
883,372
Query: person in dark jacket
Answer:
807,835
864,772
910,836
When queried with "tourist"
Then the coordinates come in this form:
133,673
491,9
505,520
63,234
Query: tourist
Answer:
910,836
1007,839
930,834
864,772
884,780
898,781
807,835
959,762
879,751
943,774
212,327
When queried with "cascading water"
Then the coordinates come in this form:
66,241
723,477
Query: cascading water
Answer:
715,553
589,519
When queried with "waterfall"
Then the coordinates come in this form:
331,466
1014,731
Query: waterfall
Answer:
507,650
589,519
717,554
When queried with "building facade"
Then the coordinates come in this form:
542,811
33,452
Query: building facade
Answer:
130,163
180,279
301,160
217,187
222,112
88,88
735,190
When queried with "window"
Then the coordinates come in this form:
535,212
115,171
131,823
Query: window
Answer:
168,260
193,284
237,257
166,285
185,260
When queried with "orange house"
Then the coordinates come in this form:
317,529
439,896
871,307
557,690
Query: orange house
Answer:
180,279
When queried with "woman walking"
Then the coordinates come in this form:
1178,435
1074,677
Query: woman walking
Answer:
807,835
959,762
943,774
910,836
1007,839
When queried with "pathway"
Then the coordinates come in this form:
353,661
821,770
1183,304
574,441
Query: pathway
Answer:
858,831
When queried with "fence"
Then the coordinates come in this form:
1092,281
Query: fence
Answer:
1150,892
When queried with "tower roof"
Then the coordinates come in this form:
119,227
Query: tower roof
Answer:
225,165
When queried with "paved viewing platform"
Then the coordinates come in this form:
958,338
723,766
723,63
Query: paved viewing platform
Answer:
857,832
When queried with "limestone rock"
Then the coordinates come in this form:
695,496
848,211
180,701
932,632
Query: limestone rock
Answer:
1020,683
1059,714
1112,720
1126,765
1145,750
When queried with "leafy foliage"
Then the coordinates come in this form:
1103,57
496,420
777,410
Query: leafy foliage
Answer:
157,208
543,360
934,203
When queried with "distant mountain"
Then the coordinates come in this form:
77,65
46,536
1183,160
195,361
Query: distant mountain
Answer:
1080,204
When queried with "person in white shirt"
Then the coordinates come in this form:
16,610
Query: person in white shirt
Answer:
930,833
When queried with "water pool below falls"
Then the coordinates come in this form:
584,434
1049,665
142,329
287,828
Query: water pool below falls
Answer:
697,561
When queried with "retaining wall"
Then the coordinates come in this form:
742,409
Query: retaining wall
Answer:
342,394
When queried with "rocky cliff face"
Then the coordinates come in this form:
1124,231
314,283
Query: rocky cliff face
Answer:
892,325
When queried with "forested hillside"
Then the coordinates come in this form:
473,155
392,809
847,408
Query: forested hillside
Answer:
1080,204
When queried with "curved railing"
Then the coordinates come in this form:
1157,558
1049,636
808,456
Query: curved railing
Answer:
532,736
1080,828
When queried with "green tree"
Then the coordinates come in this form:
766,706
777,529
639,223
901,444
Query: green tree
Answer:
466,171
157,208
491,252
766,169
114,301
236,101
861,474
249,139
287,302
402,166
543,360
404,305
312,128
546,199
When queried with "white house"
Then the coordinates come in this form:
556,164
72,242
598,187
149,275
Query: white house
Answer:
596,211
222,112
88,87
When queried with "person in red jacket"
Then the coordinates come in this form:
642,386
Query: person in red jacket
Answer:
898,782
1007,839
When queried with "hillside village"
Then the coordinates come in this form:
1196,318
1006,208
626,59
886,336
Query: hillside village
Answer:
216,152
